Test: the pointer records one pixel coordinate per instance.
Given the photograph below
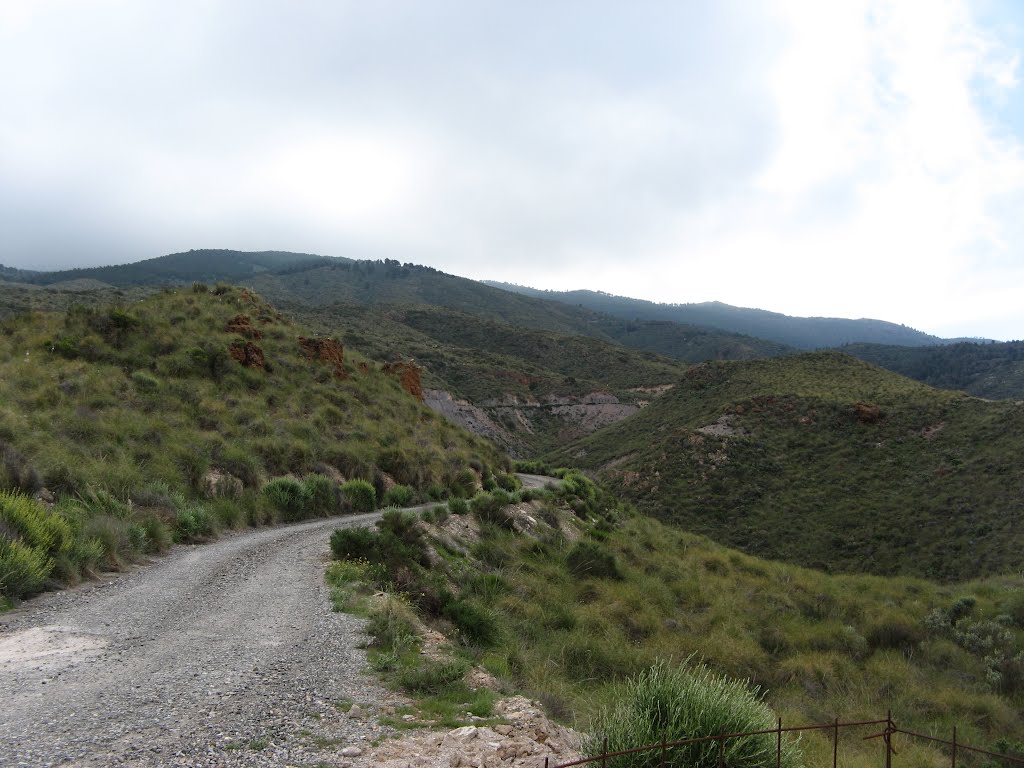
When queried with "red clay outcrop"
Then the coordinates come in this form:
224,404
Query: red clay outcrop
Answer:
248,354
409,376
242,325
325,350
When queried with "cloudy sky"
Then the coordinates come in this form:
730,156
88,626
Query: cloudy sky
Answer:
857,159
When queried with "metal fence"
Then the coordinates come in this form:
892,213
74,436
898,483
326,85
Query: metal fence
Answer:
889,729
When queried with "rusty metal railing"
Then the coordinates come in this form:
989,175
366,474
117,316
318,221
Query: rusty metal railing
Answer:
885,735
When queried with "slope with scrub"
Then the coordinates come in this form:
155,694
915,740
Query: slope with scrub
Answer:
199,409
824,460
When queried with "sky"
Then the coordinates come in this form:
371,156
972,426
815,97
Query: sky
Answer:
850,158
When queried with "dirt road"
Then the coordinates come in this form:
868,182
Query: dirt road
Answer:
221,654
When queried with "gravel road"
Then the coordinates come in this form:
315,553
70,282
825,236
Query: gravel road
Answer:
224,654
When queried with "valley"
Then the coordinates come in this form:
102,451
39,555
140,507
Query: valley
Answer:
844,537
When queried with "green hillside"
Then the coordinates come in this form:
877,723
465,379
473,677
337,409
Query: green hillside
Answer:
562,596
799,332
827,461
993,370
172,416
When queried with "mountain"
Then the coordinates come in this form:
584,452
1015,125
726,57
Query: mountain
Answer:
13,273
527,373
824,460
208,265
799,332
993,370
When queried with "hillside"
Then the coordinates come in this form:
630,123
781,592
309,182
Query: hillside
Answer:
824,460
994,370
799,332
561,595
173,415
208,265
528,390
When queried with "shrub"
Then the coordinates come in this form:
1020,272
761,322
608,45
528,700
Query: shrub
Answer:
476,626
435,515
321,494
392,625
360,494
432,677
145,382
677,703
458,506
894,632
490,508
398,496
194,523
39,528
589,559
288,497
111,534
23,570
353,543
464,483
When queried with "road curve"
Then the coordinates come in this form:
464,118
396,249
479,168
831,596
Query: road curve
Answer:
220,654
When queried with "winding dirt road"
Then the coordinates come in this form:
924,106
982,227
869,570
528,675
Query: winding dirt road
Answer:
221,654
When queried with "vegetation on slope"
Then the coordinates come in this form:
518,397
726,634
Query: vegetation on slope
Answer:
994,370
823,460
171,417
565,596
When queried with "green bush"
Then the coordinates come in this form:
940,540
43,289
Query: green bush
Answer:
321,494
288,497
360,494
458,506
490,508
398,496
194,523
677,703
23,569
145,381
353,543
476,626
432,677
589,559
38,527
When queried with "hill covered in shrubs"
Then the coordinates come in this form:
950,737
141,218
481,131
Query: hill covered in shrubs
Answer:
125,427
827,461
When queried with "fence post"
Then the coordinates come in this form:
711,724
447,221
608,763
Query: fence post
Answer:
604,753
663,750
835,744
954,746
888,739
546,762
721,752
778,746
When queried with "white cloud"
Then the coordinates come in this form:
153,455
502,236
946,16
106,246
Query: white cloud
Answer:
817,158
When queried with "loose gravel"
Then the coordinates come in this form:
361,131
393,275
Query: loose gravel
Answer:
225,654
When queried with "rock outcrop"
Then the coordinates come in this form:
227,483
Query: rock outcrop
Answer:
248,354
523,741
242,325
325,350
409,375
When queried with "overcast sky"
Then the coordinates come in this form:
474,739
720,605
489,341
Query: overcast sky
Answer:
856,159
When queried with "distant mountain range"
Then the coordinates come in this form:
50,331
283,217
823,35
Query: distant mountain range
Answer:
310,285
799,332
